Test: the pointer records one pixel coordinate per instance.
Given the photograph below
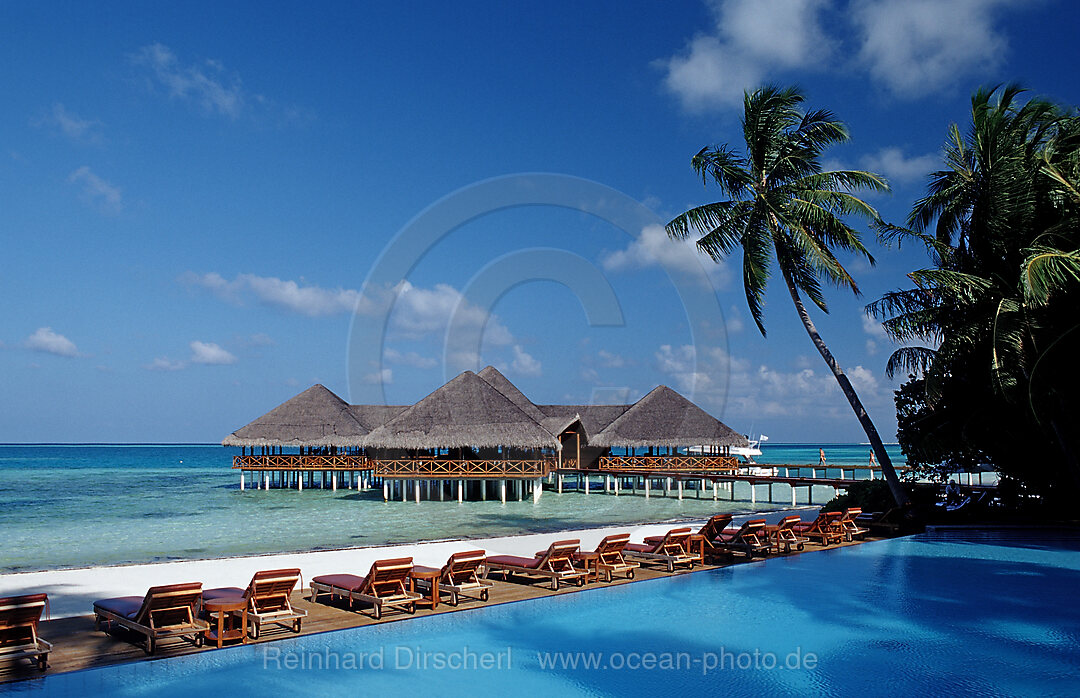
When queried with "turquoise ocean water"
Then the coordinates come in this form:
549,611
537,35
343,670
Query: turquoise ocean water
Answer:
78,506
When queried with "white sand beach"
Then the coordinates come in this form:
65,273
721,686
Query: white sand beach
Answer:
72,592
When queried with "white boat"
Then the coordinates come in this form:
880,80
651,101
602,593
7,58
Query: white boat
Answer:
747,453
751,451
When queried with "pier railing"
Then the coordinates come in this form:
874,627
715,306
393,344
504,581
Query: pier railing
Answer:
670,464
438,468
292,461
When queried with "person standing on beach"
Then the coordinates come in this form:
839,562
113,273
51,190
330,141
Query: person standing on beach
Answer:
873,462
821,455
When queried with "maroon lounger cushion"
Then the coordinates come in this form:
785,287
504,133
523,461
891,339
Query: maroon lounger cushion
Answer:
350,582
126,606
654,540
221,593
641,548
528,562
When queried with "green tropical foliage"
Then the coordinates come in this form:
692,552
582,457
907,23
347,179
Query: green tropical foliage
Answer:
992,328
784,211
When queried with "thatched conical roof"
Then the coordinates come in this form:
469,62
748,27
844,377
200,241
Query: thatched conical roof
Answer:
374,416
315,417
497,380
467,411
594,418
666,418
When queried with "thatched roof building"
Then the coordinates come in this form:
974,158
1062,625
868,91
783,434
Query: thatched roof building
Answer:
315,417
483,410
467,411
665,418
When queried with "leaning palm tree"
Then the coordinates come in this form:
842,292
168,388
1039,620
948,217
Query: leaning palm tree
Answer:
784,208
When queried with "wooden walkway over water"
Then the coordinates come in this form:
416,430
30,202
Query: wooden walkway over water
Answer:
77,645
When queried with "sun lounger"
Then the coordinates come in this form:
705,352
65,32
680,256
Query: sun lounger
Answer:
19,618
849,527
555,563
749,539
165,611
785,536
672,549
610,558
708,533
268,601
460,577
825,528
384,585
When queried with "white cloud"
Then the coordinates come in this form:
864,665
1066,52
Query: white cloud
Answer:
45,340
919,45
728,385
205,83
205,353
165,364
524,363
70,124
873,328
411,358
465,360
98,191
751,42
210,354
653,247
424,311
733,321
876,334
898,167
384,377
312,301
415,312
609,360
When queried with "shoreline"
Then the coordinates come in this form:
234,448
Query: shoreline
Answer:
72,591
301,551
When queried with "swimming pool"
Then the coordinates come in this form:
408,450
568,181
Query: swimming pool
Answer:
970,614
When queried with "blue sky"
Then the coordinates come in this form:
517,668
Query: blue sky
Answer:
194,197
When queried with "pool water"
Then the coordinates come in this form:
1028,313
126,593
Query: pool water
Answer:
965,614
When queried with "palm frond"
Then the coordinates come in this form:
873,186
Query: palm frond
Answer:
909,360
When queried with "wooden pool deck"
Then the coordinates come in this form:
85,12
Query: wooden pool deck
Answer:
78,645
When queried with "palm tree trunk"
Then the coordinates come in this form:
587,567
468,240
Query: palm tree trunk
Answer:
898,493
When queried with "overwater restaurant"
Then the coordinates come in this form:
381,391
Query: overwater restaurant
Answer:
479,437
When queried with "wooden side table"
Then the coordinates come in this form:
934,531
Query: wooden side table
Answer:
699,543
589,557
431,576
226,611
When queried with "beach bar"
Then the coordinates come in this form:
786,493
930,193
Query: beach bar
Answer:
479,437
